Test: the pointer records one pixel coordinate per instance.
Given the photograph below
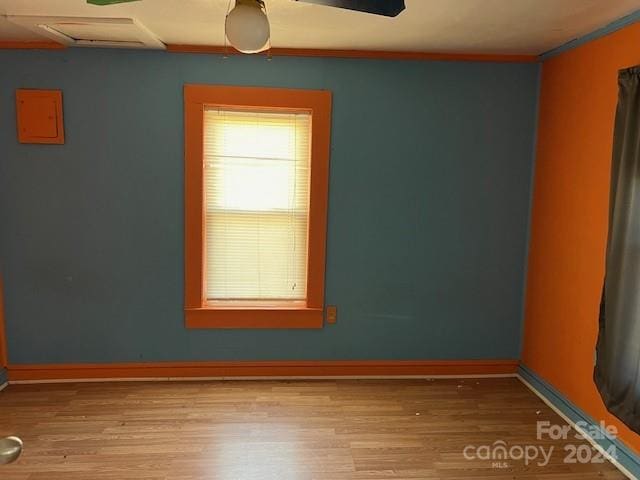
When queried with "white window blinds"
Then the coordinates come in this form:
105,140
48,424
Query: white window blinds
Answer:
256,194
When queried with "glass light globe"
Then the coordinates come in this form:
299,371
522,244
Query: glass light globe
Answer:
247,27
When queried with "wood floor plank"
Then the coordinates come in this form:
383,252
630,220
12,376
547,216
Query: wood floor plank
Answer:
302,430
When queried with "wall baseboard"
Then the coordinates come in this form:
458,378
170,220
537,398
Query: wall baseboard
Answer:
627,461
259,369
3,386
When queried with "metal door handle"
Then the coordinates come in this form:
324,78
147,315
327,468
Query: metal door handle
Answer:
10,449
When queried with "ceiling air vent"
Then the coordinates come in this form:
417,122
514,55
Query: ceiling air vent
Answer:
91,32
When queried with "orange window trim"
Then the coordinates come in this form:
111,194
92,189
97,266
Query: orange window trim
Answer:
3,338
202,314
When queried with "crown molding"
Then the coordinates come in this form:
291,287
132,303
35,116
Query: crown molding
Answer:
370,54
15,45
591,36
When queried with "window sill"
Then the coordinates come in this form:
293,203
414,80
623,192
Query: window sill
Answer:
256,317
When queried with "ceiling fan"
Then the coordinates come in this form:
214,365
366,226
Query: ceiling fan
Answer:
247,26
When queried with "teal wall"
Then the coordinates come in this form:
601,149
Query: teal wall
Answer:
429,205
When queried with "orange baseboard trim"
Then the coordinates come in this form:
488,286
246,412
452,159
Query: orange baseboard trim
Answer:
3,337
373,54
261,369
31,45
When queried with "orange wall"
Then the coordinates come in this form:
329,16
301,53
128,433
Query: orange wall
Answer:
569,219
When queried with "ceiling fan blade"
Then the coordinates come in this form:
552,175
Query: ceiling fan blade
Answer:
388,8
102,3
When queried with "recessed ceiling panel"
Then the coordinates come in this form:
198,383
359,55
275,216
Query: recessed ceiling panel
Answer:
90,32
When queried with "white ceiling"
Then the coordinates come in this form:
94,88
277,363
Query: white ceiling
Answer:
468,26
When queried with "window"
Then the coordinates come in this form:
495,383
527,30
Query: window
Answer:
256,196
256,179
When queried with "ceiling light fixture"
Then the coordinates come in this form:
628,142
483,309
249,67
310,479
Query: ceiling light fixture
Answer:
247,26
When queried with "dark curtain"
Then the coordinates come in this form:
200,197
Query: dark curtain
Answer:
618,351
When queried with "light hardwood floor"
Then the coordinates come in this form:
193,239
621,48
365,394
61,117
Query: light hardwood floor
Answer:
302,430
